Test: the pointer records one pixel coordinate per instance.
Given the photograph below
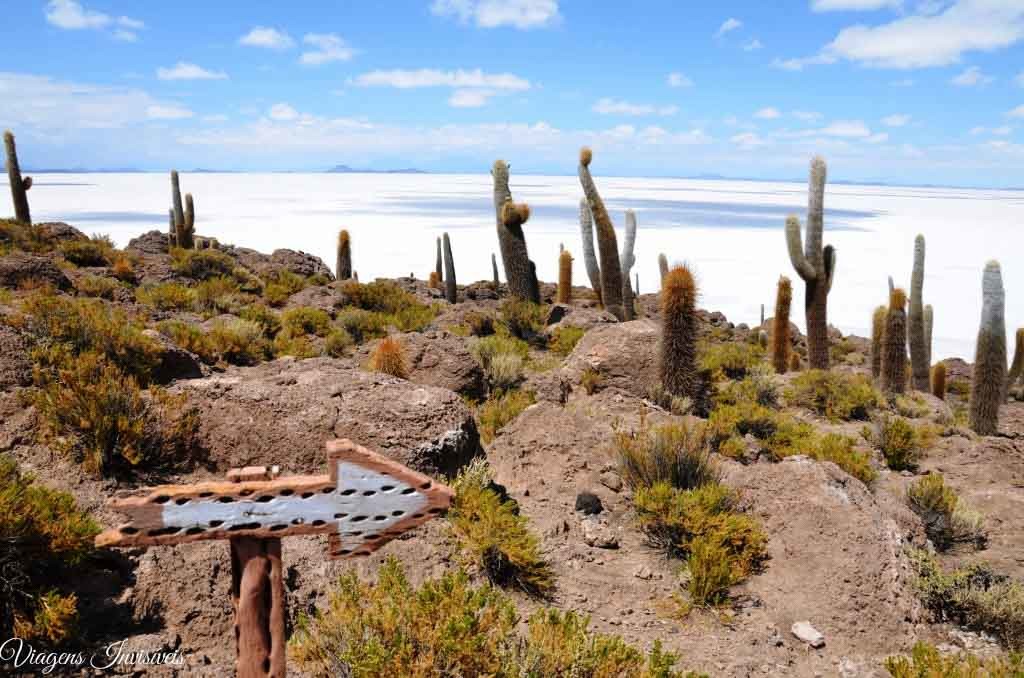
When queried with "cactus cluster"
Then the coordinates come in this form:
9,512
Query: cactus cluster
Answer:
988,382
680,329
564,277
183,220
450,288
19,185
780,325
894,344
520,272
343,263
815,264
607,244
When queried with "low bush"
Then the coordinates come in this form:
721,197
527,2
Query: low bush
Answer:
565,338
901,442
522,319
390,304
947,521
337,343
166,296
278,286
479,324
96,251
264,316
835,395
15,235
240,342
730,360
494,537
503,358
911,405
389,358
677,454
361,324
925,661
201,264
45,537
96,286
500,409
218,295
191,338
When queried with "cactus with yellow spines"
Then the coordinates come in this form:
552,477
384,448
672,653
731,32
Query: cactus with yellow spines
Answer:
894,344
343,259
815,264
607,244
19,185
564,277
938,381
450,288
780,325
877,331
439,262
988,384
680,329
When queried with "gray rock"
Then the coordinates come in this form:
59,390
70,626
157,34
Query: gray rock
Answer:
59,231
437,358
15,367
319,296
612,481
598,534
17,268
624,354
588,503
808,634
153,242
175,362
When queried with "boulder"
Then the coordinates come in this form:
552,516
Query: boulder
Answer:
15,367
318,296
18,268
175,362
59,231
624,354
300,263
282,412
150,243
437,358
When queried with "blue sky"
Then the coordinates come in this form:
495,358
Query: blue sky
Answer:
908,91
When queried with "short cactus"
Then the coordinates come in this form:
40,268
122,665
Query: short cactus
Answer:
589,257
877,331
564,277
680,328
607,245
534,284
510,219
494,271
343,261
894,344
780,325
815,264
988,383
662,267
626,261
389,358
919,348
450,288
434,282
938,381
19,185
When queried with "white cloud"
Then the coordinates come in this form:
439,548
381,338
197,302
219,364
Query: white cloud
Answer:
521,14
428,77
607,106
896,120
846,128
470,98
184,70
125,36
752,45
971,77
70,15
768,113
269,38
806,116
676,79
1002,131
854,5
282,111
729,24
130,23
1017,112
167,112
329,47
748,140
799,64
879,138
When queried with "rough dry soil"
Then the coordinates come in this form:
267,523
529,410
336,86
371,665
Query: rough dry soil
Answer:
835,545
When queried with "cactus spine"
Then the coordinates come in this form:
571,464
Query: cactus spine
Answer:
988,382
589,257
894,344
19,185
564,277
494,271
626,260
511,240
919,367
611,272
815,264
343,262
450,289
679,333
1017,367
438,264
877,331
780,325
938,382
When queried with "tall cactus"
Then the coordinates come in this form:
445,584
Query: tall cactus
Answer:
187,228
450,289
1017,367
511,240
438,264
679,333
589,257
607,245
894,344
988,383
534,284
815,264
919,353
929,317
343,261
662,267
179,212
564,277
626,260
494,271
172,233
19,185
780,325
877,331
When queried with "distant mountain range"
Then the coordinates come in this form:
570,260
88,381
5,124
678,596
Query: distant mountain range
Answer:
345,169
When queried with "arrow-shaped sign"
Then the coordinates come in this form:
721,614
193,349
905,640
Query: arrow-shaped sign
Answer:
365,501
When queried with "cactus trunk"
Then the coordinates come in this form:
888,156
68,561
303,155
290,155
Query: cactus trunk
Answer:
1017,367
780,325
450,289
179,213
894,344
439,263
511,240
494,271
919,367
815,264
877,331
989,379
607,245
626,261
679,333
172,234
589,257
662,267
938,381
564,277
343,263
19,185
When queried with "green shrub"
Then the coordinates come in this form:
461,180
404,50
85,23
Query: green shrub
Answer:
361,324
500,409
901,441
218,295
947,521
15,235
494,537
337,343
677,454
391,304
264,316
280,285
731,360
757,387
96,286
925,661
522,319
479,324
240,342
911,405
96,251
191,338
839,450
305,320
565,338
166,296
835,395
503,358
201,264
45,537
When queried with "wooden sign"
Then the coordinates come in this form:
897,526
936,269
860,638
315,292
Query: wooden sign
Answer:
364,501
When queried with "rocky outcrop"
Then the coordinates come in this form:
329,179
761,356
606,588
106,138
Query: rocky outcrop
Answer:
175,362
318,296
284,411
442,359
59,231
299,263
15,367
624,355
153,242
20,268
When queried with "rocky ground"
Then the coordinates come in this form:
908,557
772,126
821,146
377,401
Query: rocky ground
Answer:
836,546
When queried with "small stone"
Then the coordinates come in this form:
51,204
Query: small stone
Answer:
588,503
612,481
643,572
599,535
808,634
